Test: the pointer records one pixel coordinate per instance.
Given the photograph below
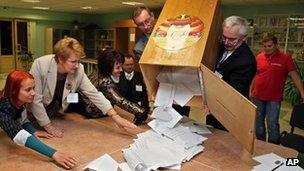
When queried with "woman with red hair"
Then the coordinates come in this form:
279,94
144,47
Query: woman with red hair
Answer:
19,90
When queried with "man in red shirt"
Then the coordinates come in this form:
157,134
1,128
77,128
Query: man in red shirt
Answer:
273,67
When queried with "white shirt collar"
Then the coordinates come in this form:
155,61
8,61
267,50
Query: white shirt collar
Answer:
129,76
115,79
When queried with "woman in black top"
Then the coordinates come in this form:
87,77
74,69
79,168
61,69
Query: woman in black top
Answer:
106,79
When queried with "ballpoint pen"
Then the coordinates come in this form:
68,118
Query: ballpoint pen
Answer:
277,166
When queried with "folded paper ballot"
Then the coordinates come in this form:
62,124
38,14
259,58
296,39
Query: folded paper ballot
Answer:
194,126
272,162
103,163
168,116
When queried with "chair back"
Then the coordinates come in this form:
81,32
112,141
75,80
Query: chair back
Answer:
297,116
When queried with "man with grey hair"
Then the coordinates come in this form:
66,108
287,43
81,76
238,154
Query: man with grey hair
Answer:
236,63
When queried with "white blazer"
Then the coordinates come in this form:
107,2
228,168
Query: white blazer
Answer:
44,69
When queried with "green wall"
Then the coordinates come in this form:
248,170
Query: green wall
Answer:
249,11
42,19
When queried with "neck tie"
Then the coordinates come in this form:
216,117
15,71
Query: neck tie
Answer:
224,57
128,76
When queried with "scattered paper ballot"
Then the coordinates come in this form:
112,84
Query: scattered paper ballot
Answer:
177,83
272,162
103,163
182,94
164,95
124,167
151,151
167,115
179,133
169,144
195,126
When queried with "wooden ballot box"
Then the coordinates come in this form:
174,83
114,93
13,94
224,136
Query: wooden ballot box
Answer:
223,101
203,51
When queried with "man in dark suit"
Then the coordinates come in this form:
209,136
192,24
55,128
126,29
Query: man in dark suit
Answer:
236,63
131,84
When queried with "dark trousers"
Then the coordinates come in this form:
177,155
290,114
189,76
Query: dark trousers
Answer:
211,120
184,111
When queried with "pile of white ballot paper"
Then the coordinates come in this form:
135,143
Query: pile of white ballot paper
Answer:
173,139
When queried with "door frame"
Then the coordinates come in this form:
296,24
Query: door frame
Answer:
8,60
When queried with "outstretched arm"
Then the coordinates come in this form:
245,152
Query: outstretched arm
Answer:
296,78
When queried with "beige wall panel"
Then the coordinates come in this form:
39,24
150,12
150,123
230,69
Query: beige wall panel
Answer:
233,110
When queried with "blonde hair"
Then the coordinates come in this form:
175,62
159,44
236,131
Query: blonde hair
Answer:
67,46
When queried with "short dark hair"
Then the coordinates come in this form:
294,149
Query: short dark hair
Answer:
270,37
129,56
106,60
138,11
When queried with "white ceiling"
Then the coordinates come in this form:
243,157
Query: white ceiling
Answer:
108,6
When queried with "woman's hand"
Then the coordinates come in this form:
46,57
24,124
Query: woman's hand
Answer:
56,132
121,122
43,134
64,160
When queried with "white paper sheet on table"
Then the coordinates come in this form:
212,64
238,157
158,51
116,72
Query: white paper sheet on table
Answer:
166,115
271,161
195,126
124,166
103,163
178,133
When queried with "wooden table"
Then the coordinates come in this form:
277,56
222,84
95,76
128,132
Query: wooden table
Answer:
90,138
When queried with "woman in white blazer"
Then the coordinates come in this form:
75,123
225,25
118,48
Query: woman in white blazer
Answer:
58,77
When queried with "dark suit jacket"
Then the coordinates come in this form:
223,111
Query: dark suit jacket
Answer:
239,69
135,96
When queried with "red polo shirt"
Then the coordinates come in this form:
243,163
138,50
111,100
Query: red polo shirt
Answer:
271,75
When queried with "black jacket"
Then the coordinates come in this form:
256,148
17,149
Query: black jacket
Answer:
128,89
239,69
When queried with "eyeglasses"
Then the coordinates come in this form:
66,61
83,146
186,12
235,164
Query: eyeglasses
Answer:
146,22
232,40
75,62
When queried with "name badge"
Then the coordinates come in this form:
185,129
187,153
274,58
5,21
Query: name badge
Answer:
138,88
218,74
72,98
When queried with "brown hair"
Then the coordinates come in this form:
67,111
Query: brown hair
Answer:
67,46
127,55
138,11
107,59
270,37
